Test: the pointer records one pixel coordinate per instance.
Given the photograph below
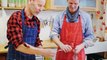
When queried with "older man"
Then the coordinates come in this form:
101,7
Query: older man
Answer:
23,33
72,31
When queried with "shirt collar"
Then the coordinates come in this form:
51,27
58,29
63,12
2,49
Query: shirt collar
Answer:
29,19
65,12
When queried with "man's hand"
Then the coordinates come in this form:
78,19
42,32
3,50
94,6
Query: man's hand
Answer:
78,48
65,48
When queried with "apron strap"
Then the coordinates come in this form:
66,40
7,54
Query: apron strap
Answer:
23,18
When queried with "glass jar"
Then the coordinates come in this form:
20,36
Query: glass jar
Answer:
4,3
18,3
23,3
0,3
48,4
11,3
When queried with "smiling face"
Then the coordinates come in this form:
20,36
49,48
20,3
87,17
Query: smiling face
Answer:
73,5
35,6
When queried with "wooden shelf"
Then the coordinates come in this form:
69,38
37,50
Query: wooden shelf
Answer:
64,8
48,44
11,8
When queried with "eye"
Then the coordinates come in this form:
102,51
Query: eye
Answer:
75,3
39,5
71,3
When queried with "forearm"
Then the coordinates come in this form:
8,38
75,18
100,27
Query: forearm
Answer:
30,50
57,41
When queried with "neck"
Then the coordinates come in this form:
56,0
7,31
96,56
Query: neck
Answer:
27,11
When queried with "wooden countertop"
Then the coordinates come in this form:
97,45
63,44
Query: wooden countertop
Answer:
97,48
2,49
49,44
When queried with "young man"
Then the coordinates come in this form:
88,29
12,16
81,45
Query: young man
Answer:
74,27
23,29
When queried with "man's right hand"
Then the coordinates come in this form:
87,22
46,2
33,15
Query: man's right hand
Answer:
63,47
66,48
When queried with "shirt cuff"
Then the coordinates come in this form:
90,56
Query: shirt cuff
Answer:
38,42
88,43
17,44
54,35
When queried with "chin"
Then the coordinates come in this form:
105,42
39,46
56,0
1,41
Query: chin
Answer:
34,14
37,13
72,11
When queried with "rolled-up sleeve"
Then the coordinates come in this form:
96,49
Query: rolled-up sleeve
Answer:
56,28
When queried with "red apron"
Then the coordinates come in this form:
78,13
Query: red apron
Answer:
72,35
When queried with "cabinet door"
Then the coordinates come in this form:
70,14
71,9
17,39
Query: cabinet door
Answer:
90,5
56,4
60,3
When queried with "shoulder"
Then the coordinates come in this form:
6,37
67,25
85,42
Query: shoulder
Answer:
86,18
84,14
60,16
16,13
15,16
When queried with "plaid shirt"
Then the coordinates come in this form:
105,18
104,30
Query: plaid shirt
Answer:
14,28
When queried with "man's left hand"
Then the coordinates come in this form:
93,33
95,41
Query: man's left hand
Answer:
79,48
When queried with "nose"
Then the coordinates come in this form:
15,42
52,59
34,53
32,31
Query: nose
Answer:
73,5
41,8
